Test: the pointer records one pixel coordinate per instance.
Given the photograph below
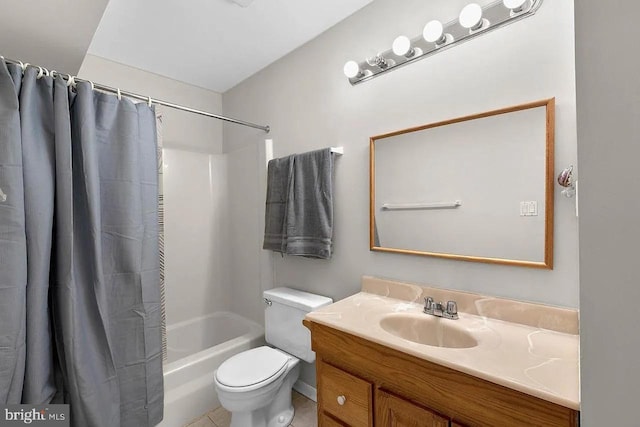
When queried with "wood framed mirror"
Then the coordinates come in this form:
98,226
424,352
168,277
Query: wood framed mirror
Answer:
474,188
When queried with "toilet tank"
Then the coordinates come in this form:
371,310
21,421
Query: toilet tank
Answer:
284,310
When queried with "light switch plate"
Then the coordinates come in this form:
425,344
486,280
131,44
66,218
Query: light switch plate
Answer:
529,208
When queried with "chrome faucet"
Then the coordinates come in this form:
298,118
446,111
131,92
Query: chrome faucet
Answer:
439,310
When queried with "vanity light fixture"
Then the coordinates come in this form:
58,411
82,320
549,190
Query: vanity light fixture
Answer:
402,47
434,33
352,70
471,18
516,6
472,21
379,61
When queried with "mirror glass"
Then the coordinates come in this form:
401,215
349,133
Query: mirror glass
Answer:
474,188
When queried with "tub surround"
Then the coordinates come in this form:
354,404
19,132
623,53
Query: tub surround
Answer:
525,347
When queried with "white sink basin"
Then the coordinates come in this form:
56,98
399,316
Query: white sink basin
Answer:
428,330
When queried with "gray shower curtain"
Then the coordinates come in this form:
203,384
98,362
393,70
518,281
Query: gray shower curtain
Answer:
79,268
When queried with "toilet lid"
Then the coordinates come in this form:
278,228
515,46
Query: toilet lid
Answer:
251,367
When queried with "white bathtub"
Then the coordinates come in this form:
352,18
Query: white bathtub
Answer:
195,350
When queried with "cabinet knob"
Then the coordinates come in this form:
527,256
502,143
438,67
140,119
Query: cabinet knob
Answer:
341,400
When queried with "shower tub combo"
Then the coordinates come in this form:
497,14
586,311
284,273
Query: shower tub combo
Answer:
196,348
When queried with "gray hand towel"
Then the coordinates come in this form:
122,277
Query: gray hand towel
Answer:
279,175
309,210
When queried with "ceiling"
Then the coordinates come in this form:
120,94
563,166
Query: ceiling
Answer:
53,33
214,44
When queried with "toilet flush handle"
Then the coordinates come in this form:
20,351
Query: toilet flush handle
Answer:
341,400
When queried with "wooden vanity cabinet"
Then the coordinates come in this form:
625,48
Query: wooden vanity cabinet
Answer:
346,397
393,411
325,420
364,384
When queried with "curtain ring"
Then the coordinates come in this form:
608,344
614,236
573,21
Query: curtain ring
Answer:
53,73
40,73
119,95
92,85
149,100
24,67
71,80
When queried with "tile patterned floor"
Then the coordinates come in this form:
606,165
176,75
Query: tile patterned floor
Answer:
305,415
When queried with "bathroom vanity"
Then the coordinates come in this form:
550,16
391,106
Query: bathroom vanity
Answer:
382,362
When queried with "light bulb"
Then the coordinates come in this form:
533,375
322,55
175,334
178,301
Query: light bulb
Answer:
352,69
402,46
471,16
434,32
516,6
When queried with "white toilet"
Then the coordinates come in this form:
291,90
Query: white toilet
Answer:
255,385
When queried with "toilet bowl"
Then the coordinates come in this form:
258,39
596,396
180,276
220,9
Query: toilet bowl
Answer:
255,386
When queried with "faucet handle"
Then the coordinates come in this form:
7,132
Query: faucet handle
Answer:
428,303
452,308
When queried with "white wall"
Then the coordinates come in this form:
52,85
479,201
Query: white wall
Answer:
309,104
182,130
250,270
195,190
608,151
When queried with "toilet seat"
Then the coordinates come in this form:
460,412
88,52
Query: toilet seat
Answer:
252,369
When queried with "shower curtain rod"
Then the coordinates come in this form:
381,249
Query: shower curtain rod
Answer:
149,99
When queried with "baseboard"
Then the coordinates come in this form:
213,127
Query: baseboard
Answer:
306,390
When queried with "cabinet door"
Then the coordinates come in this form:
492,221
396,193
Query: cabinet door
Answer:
327,421
392,411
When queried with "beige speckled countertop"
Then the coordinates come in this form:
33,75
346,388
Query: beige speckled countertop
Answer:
514,353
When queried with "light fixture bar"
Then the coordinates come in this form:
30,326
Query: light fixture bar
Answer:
494,15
